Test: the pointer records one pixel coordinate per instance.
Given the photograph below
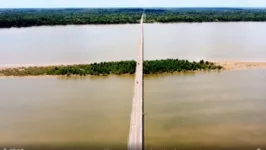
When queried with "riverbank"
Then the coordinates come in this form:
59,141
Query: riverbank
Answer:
83,16
114,68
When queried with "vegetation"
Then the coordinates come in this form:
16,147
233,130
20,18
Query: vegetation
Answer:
118,68
38,17
206,15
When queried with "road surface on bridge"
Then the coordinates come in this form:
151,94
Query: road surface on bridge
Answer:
136,133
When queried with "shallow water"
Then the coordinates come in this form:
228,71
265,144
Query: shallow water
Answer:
209,110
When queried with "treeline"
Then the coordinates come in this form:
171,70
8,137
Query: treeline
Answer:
39,17
117,68
206,15
50,17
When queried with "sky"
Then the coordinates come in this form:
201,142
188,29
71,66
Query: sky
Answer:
129,3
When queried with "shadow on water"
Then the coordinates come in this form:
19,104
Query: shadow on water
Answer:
92,77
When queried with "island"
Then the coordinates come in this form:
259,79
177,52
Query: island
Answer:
115,68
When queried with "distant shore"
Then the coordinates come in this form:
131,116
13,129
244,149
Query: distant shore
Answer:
82,16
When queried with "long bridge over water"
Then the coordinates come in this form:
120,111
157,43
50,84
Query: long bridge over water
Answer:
136,133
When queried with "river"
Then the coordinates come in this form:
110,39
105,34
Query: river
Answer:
93,43
204,109
213,110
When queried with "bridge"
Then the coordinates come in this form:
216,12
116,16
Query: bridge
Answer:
136,133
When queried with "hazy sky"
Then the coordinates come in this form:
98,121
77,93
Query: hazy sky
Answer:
130,3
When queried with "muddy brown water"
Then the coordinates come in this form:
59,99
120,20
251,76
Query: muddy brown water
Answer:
193,111
209,110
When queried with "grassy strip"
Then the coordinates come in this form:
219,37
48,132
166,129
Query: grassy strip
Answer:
117,68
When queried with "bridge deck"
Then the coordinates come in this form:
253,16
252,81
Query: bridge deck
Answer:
136,133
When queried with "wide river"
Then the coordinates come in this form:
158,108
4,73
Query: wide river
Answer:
225,110
82,44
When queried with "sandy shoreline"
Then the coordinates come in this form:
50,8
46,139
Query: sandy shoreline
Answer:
39,65
240,65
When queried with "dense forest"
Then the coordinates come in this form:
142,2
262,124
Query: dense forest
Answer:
117,68
38,17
